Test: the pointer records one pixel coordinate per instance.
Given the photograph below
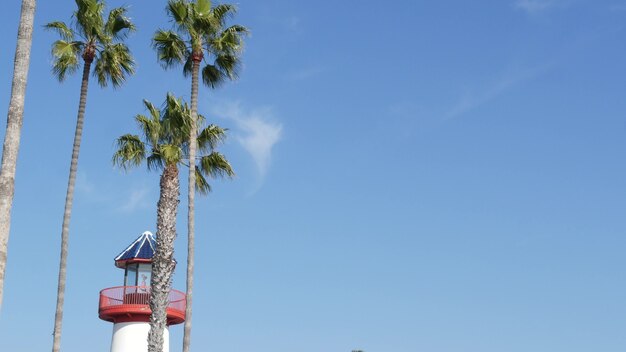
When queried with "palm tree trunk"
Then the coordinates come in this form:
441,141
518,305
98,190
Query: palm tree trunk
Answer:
14,127
163,261
69,199
191,202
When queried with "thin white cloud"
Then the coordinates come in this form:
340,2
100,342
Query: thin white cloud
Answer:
137,199
476,98
535,6
257,133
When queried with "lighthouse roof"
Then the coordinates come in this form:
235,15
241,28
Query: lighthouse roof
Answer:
140,251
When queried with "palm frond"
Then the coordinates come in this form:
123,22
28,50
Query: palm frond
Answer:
63,48
131,151
150,127
200,119
215,165
201,8
210,138
114,64
188,66
155,113
176,119
62,29
171,48
204,26
230,40
202,186
89,19
118,25
173,104
212,76
65,58
171,154
237,29
155,162
229,65
222,12
178,10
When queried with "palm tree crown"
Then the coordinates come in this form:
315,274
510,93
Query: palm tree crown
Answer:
93,38
200,31
164,142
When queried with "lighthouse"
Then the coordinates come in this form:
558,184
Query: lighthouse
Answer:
127,307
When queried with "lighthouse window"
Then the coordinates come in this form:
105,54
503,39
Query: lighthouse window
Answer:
131,275
143,275
138,275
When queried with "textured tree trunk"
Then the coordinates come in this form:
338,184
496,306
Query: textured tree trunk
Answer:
191,200
69,199
14,128
163,260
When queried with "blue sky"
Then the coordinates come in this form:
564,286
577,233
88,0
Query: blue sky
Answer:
440,176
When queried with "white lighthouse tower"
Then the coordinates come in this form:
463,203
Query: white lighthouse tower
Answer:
127,306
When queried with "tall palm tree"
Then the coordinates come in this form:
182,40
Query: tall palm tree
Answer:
14,127
97,40
164,145
15,117
199,33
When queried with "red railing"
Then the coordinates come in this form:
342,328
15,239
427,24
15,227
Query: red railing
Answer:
130,302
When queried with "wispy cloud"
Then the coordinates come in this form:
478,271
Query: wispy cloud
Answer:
478,97
535,6
137,199
258,132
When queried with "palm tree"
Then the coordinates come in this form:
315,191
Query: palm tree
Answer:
165,146
15,117
97,40
199,29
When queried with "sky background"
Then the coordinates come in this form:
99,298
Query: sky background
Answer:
442,176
